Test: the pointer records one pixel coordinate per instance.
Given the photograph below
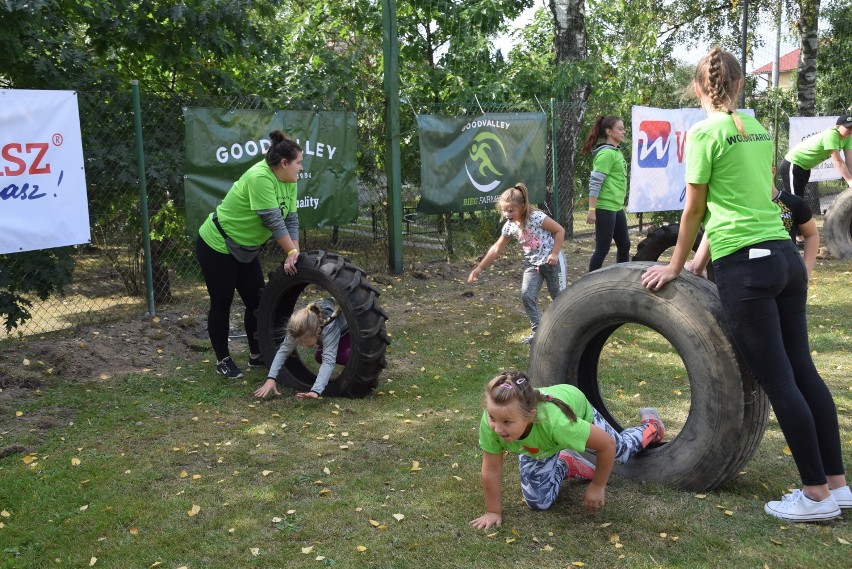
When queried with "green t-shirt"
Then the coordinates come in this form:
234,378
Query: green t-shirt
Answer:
257,189
738,174
552,430
813,150
610,162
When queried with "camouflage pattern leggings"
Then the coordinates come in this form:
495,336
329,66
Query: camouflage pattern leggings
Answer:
541,479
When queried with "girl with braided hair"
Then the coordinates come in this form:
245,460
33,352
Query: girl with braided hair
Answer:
762,283
548,428
541,240
319,324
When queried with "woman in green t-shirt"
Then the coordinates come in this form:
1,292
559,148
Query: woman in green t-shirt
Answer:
260,205
796,167
762,283
607,190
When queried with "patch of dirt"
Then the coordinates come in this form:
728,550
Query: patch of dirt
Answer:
101,351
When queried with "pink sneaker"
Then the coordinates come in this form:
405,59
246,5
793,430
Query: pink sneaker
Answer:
578,466
649,416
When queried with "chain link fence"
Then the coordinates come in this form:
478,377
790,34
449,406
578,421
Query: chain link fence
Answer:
109,275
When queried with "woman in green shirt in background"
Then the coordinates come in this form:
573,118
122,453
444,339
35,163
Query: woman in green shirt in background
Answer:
607,190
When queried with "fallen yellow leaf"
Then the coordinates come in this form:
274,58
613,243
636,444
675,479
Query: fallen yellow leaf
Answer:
787,451
196,476
308,549
398,517
266,472
374,523
548,548
19,413
195,509
75,461
361,548
92,561
133,531
415,466
5,514
578,564
255,551
184,473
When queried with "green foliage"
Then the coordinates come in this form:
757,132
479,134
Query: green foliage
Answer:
38,273
834,67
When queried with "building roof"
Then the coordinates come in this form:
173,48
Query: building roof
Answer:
787,62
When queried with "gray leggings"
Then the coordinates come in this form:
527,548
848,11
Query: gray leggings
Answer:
542,479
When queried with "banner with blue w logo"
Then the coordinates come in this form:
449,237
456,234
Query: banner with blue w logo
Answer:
466,163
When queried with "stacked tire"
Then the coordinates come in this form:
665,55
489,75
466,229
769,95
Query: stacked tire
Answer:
358,300
837,226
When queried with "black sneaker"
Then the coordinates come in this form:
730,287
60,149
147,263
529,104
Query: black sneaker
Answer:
229,369
256,361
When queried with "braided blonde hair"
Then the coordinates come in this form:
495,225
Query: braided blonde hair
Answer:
719,76
512,387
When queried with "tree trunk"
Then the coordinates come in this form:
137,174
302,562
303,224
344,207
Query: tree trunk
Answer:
570,42
808,27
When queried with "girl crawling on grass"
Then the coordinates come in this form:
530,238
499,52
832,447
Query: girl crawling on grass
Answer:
548,428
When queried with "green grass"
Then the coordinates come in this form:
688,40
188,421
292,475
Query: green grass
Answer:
283,475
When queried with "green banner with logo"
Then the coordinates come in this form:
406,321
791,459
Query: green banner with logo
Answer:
466,163
222,144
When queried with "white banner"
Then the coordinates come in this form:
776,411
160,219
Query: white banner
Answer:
806,127
657,168
43,201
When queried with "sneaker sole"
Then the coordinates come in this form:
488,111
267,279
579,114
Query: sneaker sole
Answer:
802,518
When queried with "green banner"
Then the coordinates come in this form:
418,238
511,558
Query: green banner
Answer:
466,163
221,144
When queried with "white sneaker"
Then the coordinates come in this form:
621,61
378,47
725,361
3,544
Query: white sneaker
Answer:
797,507
843,496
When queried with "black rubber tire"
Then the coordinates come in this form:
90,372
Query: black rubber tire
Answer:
728,411
837,227
658,240
358,300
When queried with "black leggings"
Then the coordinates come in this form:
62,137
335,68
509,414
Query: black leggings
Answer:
223,275
610,225
764,301
796,183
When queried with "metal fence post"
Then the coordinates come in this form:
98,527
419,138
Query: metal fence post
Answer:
143,197
392,168
553,163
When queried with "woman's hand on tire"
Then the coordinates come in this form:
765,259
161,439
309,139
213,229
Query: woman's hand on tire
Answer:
658,275
290,263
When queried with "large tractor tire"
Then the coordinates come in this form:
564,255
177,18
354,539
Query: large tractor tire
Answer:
358,300
728,411
837,226
659,240
663,238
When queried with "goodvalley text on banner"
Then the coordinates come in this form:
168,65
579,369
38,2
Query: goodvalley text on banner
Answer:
222,144
467,163
43,201
657,168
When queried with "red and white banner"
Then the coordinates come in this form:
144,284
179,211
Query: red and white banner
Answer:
657,168
806,127
43,200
